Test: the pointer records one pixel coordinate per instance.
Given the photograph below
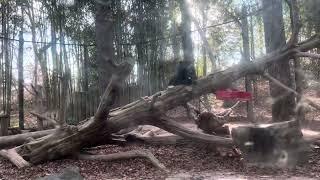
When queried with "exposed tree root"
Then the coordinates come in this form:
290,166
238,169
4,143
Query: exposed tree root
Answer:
125,155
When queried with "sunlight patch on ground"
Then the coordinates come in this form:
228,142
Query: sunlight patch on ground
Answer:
308,132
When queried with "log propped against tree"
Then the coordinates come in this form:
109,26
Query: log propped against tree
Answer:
68,140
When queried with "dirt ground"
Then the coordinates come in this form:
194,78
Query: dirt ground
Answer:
184,162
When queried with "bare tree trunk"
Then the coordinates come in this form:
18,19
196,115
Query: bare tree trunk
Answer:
174,41
104,41
54,82
39,56
206,45
64,88
299,78
5,120
186,32
20,81
253,55
86,69
284,102
246,59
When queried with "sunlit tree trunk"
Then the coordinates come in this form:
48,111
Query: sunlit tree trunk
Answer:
174,40
204,5
253,55
246,59
187,45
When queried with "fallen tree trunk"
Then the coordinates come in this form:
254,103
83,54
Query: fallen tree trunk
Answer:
147,111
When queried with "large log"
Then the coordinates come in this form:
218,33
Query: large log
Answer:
147,111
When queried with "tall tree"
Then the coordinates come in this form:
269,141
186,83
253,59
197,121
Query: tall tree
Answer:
246,58
39,53
20,79
174,40
5,122
284,102
187,46
104,42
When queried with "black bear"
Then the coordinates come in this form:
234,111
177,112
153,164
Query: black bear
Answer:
185,74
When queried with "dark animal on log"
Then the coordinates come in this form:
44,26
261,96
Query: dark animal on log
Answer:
185,74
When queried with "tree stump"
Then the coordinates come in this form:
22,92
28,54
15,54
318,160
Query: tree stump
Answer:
279,144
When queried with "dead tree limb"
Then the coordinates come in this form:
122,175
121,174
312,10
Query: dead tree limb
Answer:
171,126
14,140
126,155
41,117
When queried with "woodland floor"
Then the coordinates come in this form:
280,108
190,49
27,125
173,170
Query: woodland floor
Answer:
184,162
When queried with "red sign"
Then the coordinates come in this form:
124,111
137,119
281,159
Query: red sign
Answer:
233,95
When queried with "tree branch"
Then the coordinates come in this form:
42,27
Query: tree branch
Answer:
171,126
126,155
306,54
277,82
41,117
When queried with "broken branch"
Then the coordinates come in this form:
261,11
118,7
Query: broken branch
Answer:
126,155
